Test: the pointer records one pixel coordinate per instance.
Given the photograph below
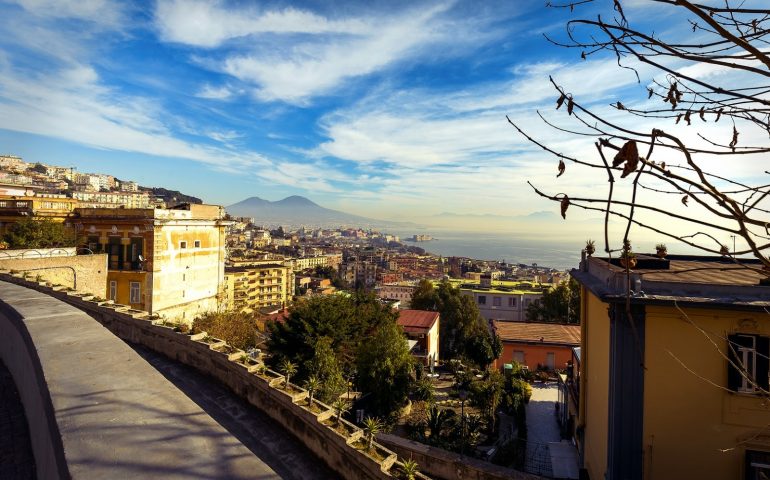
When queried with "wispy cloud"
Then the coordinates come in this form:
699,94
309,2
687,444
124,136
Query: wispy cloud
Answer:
294,55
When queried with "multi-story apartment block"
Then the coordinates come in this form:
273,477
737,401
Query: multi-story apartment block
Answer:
113,199
88,181
54,207
502,300
305,263
396,291
128,186
252,285
167,262
12,162
673,371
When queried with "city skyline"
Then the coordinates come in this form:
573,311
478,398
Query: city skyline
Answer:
391,111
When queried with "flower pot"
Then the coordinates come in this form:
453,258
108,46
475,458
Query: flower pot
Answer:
662,253
628,262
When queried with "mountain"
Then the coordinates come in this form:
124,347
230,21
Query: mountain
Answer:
297,211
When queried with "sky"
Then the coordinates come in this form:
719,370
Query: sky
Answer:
387,109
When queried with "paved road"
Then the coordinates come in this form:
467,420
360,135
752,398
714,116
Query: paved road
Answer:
16,459
542,428
288,457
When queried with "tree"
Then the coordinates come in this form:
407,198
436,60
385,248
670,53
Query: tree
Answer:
410,469
657,150
343,320
424,297
384,368
558,305
39,168
39,233
325,367
463,331
288,370
312,384
238,329
341,407
372,426
487,394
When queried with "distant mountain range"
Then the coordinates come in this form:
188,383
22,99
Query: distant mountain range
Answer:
296,211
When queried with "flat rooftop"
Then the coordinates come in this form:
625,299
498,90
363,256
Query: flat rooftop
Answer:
699,279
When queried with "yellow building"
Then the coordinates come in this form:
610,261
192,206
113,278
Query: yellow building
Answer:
50,206
167,262
681,390
251,285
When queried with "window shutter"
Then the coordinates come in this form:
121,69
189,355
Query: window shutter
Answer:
763,364
733,374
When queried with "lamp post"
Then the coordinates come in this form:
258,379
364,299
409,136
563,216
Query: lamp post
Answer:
463,396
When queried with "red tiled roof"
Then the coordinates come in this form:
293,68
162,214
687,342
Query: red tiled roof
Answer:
552,333
417,320
279,317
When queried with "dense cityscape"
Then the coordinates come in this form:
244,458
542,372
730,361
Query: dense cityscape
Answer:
175,304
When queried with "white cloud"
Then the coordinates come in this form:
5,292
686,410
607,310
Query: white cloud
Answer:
293,55
214,93
104,12
209,24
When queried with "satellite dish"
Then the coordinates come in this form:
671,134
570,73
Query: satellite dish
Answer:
141,258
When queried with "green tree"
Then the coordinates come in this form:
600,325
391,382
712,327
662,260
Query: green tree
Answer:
372,426
238,329
39,233
384,368
341,407
288,369
487,394
312,384
560,304
325,367
39,168
463,331
424,297
344,320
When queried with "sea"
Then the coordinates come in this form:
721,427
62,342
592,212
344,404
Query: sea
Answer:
509,247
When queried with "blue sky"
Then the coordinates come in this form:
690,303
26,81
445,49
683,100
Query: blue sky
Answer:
386,109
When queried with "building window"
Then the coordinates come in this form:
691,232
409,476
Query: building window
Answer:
135,293
197,244
747,370
496,301
757,465
482,300
518,356
113,290
511,302
182,244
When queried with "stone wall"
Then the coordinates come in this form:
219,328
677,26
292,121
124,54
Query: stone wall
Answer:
441,463
313,425
83,273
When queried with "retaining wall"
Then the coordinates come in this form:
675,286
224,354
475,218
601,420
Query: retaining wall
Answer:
84,273
441,463
315,428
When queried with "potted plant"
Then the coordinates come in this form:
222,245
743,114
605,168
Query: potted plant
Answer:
590,247
627,257
661,250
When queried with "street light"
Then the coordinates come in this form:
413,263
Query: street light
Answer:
463,396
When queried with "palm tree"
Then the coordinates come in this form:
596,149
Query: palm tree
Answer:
312,385
341,407
372,427
288,370
436,421
410,469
